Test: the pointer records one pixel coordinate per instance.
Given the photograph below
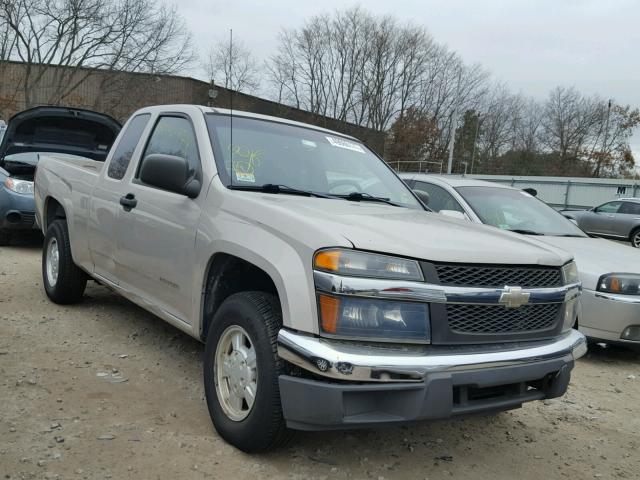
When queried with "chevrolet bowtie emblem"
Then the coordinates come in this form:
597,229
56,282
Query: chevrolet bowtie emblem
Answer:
514,297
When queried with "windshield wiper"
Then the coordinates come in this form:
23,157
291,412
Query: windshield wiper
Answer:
523,231
365,197
277,188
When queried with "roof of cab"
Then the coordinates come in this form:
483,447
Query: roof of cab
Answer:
239,113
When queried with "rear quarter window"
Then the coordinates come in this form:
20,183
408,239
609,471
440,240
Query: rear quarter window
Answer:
126,146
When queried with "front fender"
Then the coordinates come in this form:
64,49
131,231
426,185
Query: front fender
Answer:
288,265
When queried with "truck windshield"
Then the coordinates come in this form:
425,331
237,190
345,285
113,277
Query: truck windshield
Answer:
516,210
262,152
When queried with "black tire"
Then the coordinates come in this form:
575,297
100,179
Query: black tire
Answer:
71,280
5,237
264,427
634,238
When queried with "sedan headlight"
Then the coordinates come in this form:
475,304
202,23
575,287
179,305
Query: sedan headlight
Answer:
24,187
570,273
362,264
366,318
620,283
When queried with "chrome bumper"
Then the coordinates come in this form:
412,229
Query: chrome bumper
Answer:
359,362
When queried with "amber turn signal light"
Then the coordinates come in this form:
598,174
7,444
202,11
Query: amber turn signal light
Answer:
328,260
329,308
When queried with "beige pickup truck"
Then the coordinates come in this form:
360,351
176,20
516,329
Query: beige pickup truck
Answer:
327,296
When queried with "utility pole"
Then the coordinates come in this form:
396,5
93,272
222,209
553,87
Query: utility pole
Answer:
606,127
475,139
454,124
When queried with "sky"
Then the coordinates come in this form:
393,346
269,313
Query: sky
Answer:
532,46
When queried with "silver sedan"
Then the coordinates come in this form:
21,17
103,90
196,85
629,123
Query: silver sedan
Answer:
618,219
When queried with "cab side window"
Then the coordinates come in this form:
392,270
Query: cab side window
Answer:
610,207
175,136
439,198
126,146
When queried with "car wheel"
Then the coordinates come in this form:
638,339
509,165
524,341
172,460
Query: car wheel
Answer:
635,238
5,237
63,281
241,370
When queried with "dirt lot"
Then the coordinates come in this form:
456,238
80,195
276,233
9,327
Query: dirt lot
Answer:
106,390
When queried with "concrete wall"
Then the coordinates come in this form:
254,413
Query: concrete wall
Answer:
120,94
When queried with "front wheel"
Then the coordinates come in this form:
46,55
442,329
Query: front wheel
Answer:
635,238
63,281
241,370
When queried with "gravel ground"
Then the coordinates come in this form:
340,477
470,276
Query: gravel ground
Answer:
105,390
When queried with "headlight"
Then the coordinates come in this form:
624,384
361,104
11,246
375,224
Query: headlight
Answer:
23,187
366,318
620,283
361,264
570,273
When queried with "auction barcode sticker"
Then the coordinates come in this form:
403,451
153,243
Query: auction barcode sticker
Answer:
344,143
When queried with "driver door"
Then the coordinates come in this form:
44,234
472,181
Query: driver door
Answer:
156,251
600,220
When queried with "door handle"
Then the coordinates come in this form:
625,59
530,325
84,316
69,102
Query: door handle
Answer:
128,202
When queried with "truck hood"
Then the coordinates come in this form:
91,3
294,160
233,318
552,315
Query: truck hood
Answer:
596,257
56,130
393,230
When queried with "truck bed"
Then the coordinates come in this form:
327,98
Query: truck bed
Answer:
72,179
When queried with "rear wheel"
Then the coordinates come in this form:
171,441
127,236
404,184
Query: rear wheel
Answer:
635,238
5,237
63,281
241,370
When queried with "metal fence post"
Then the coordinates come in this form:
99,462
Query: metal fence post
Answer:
566,194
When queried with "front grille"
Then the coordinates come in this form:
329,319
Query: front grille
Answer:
28,218
492,276
479,319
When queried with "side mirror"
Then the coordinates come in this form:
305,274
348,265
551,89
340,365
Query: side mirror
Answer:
170,173
454,214
422,196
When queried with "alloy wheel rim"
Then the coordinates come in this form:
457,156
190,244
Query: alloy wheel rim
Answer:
236,373
636,240
53,262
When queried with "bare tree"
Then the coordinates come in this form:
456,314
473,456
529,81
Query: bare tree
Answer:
231,65
371,70
351,66
124,36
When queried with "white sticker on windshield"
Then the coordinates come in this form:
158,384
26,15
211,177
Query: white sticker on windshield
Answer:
245,177
344,143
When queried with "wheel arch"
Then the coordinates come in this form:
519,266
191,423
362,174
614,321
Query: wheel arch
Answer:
227,274
53,210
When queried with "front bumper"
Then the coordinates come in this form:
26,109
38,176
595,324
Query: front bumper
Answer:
605,316
17,212
376,385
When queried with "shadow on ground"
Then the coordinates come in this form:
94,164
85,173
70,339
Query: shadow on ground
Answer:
28,239
608,353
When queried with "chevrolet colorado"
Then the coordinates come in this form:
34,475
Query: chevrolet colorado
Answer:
327,297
